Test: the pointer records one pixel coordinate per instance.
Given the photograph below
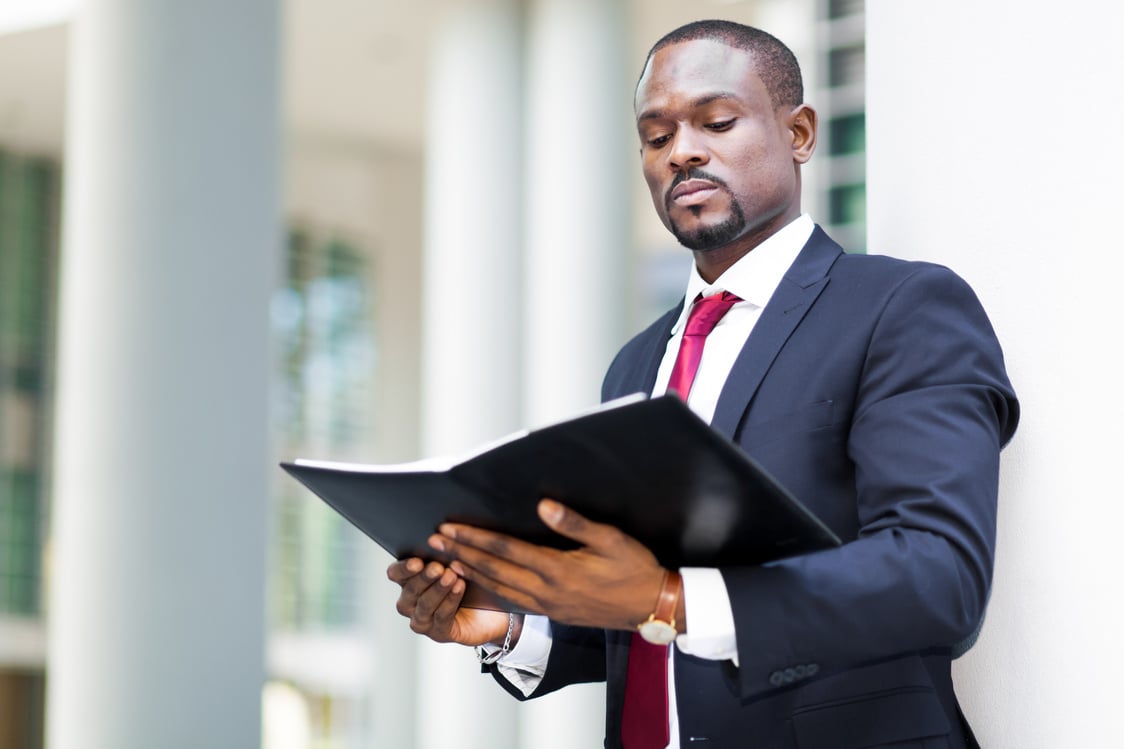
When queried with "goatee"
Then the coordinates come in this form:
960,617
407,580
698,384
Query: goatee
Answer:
712,237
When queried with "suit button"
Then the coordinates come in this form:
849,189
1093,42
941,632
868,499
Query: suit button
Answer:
789,675
776,678
812,668
801,672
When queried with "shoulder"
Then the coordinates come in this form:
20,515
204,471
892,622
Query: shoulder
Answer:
626,372
881,281
864,275
887,267
928,328
919,301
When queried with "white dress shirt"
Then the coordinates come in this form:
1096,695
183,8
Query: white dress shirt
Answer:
753,278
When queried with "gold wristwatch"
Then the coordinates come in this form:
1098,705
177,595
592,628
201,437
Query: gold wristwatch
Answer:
660,627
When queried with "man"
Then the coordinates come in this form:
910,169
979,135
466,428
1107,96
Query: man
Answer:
874,389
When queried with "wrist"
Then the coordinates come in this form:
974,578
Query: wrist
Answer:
664,623
515,622
498,647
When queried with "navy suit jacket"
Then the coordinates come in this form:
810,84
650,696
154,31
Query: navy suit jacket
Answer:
875,390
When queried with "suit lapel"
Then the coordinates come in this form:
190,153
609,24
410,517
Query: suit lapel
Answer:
642,378
795,295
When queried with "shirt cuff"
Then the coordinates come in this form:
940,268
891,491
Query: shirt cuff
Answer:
709,615
525,665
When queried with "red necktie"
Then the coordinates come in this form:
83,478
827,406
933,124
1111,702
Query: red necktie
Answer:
644,721
705,314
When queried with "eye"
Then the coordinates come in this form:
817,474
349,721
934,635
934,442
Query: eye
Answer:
720,126
658,140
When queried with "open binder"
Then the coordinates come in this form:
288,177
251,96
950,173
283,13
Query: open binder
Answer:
650,467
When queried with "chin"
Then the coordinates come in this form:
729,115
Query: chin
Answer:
705,236
710,237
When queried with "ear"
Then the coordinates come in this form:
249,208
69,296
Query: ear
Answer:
803,123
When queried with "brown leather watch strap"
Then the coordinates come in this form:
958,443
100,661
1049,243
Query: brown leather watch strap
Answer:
670,590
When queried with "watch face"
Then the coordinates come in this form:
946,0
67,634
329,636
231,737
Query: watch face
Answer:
657,632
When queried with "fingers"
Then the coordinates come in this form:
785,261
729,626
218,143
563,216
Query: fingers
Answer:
525,600
430,596
592,585
522,573
492,558
436,606
559,518
402,570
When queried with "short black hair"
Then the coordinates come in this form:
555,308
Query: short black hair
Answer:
773,61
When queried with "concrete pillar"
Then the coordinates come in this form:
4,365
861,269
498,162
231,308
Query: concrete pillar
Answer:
580,155
156,618
992,149
581,147
471,309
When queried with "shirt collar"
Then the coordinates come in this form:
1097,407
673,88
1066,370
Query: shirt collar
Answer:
757,274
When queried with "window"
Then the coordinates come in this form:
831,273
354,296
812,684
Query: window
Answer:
847,134
323,328
847,65
28,235
843,8
847,204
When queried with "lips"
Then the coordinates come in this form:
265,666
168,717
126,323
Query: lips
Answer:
691,192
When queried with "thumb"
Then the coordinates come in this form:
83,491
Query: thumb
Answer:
564,521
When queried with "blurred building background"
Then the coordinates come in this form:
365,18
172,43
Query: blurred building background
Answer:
383,106
236,233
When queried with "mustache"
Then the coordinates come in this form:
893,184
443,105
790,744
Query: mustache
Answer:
692,173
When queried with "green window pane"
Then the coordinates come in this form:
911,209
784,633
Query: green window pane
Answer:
847,135
19,542
29,204
847,65
847,204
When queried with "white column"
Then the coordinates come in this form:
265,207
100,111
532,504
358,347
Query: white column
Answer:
581,148
157,576
472,296
472,227
993,148
579,159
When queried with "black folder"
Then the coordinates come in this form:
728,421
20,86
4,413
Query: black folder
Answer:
650,467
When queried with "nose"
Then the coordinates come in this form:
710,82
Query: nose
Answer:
687,150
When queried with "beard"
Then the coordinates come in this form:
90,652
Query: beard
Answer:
712,237
707,237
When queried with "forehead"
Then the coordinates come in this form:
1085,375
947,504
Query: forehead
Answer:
696,69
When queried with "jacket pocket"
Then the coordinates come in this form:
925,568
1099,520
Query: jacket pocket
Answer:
885,718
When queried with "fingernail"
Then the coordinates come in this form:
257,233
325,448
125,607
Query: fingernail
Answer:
550,511
456,567
447,530
437,543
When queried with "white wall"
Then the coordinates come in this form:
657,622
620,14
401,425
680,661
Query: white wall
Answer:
994,148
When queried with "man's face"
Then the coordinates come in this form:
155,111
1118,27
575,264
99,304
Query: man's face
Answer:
718,159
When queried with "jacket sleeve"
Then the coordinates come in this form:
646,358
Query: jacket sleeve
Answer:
577,655
932,408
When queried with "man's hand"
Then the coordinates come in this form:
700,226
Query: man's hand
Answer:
431,597
611,582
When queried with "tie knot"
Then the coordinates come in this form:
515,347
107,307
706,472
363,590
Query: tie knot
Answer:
707,311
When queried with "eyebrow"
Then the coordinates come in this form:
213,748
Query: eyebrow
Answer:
701,101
